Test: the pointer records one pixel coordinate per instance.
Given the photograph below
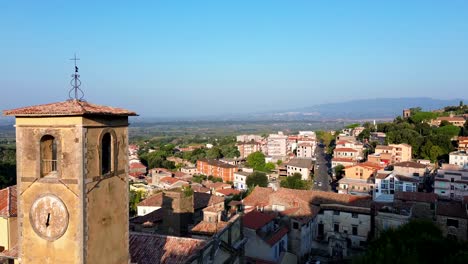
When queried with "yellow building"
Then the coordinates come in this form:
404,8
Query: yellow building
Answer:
72,168
8,225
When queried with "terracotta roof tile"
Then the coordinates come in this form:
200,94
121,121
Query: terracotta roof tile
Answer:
170,180
152,248
410,164
416,197
137,165
257,196
256,220
202,200
228,191
68,108
277,236
452,209
153,200
209,228
8,202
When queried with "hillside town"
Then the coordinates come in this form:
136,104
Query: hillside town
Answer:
304,197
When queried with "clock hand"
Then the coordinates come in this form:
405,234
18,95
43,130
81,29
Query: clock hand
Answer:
48,218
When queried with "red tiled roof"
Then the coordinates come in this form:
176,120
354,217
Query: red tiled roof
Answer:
416,197
202,200
277,236
256,220
369,165
452,209
228,192
68,108
153,200
152,248
410,164
169,180
200,189
11,253
209,228
257,196
137,165
8,202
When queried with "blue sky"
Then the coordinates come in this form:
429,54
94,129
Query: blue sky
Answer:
188,58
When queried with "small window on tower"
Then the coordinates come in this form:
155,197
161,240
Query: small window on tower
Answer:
106,153
48,156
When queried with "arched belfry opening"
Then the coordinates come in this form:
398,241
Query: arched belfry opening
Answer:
106,153
48,155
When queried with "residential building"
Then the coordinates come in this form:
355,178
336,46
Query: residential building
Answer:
463,144
240,180
150,204
137,167
266,238
458,121
216,169
277,145
189,170
452,219
357,131
359,179
378,137
343,161
302,166
308,134
459,158
247,148
392,153
167,183
249,138
451,182
347,153
8,224
387,183
233,161
406,113
411,168
305,150
301,209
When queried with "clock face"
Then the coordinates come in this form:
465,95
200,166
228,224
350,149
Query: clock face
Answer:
49,217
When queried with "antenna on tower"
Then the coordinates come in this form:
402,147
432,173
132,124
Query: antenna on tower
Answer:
75,92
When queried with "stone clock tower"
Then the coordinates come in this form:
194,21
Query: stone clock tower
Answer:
72,183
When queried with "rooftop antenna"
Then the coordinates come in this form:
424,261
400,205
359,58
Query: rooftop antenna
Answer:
75,83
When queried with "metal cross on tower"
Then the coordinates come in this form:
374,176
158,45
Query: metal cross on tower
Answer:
75,83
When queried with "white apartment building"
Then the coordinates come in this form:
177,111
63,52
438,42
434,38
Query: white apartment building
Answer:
240,180
302,166
277,145
451,182
305,150
459,158
388,182
248,138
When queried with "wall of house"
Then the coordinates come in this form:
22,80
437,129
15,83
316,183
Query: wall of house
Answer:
144,210
385,221
300,238
256,247
346,222
460,232
303,171
358,172
4,233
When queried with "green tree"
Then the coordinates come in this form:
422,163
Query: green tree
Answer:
448,130
214,153
295,182
365,134
230,151
269,166
415,242
257,179
256,161
339,171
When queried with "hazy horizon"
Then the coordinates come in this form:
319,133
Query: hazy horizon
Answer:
168,59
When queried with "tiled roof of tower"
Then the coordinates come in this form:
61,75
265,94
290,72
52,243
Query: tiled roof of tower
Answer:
8,202
68,108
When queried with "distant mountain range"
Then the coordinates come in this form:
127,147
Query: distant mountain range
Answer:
379,108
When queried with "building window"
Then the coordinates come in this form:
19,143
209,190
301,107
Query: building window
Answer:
354,231
48,152
354,215
295,225
106,153
336,212
452,222
336,227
